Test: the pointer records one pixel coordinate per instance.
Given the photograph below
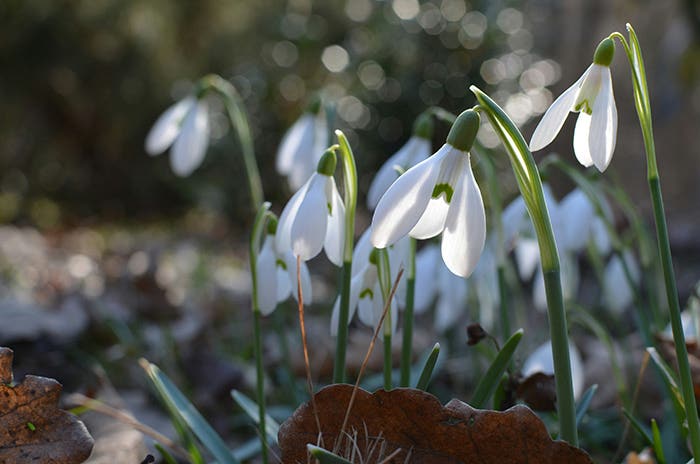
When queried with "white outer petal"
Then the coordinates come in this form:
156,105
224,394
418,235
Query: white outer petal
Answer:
415,150
403,204
465,229
298,139
167,127
191,145
266,274
309,226
452,300
355,287
601,237
427,262
577,215
306,289
289,213
582,149
360,255
550,124
603,132
334,240
527,257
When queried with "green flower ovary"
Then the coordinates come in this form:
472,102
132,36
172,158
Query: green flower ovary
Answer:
443,188
281,264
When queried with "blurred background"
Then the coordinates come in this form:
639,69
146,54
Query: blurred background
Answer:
98,235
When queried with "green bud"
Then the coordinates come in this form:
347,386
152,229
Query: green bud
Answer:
314,105
374,256
464,130
327,163
423,126
605,52
272,225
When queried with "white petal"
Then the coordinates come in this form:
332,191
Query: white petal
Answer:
541,360
167,126
617,292
465,228
554,118
306,289
191,145
415,150
334,241
289,213
367,282
527,257
309,227
582,149
403,204
297,140
432,222
427,262
355,287
266,274
539,295
601,237
577,217
452,301
515,221
284,283
361,253
603,124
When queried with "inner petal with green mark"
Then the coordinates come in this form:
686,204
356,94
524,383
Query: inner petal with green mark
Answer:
447,189
281,264
367,292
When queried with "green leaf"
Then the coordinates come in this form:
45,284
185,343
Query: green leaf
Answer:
250,407
492,377
585,402
427,371
669,378
658,447
177,402
325,456
639,427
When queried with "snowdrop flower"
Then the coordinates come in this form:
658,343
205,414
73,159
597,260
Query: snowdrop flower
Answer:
617,291
413,152
302,146
277,274
592,97
314,217
541,360
438,195
185,126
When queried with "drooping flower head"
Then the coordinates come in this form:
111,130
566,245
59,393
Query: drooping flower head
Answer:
302,146
415,150
592,98
314,217
185,126
277,274
438,195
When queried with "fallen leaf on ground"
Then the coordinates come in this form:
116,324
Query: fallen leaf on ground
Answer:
32,427
423,430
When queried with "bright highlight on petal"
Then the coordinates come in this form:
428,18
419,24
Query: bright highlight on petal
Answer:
191,145
308,230
167,127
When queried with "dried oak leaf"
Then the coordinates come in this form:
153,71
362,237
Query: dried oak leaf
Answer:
32,428
415,423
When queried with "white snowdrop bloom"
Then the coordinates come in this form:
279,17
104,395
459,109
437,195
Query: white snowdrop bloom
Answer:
302,146
592,97
484,282
185,126
277,276
618,293
417,149
438,195
541,361
314,218
575,218
689,324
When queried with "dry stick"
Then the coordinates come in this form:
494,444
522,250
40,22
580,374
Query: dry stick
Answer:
391,456
307,365
387,304
121,416
635,396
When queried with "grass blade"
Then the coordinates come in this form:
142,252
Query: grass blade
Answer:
250,407
493,375
325,456
427,371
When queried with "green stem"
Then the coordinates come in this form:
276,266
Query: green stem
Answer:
239,122
407,342
384,276
350,198
530,186
643,106
503,306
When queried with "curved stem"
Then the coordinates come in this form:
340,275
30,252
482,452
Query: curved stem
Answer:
350,198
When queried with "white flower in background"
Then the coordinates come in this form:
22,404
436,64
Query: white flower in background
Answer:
592,97
302,146
618,292
185,126
541,361
365,291
314,218
277,276
417,149
484,282
438,195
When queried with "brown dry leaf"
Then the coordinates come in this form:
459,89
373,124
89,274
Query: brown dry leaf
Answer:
415,423
32,428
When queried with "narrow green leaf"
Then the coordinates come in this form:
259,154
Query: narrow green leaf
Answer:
493,375
658,446
669,378
427,371
167,457
189,414
639,427
325,456
250,407
585,402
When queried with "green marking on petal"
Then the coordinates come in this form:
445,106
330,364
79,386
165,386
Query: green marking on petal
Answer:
584,106
367,292
281,264
443,188
330,209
